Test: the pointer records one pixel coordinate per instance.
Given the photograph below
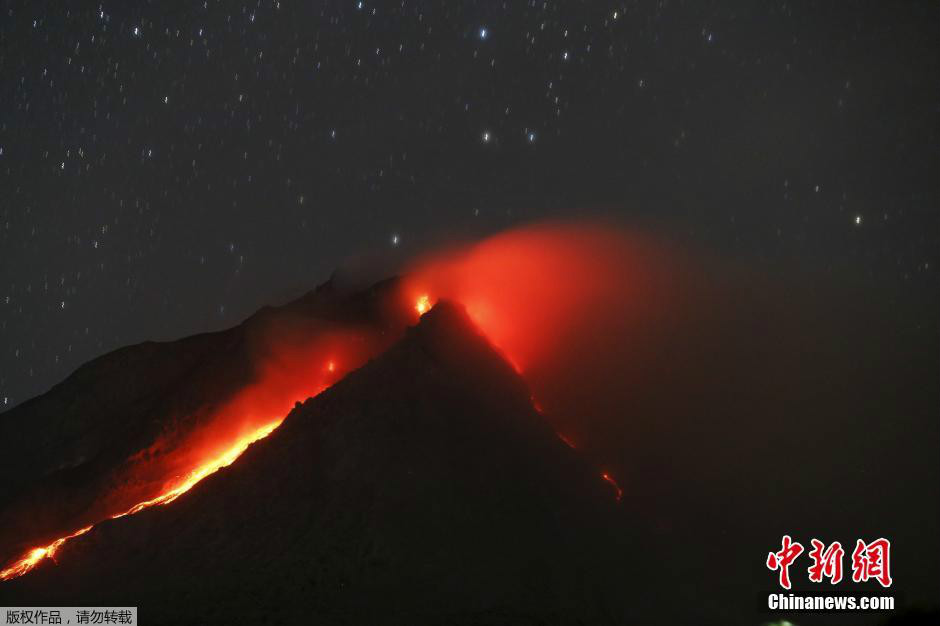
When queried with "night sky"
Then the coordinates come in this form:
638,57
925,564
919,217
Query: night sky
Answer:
166,171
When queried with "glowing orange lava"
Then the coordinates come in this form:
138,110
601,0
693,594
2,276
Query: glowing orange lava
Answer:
32,558
423,304
613,482
209,467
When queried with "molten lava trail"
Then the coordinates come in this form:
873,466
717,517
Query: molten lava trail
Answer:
35,556
213,465
613,483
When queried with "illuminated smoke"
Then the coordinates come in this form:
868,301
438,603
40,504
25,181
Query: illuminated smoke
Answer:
565,303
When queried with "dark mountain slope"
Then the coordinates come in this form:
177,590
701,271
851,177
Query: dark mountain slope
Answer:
421,489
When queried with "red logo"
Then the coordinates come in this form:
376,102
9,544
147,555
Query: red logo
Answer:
826,563
869,561
782,560
872,560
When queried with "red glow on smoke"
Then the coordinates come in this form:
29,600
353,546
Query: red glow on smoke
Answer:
529,289
567,305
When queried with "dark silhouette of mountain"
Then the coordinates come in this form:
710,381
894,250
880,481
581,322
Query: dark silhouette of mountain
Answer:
423,488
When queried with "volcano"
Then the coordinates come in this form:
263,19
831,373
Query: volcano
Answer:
422,487
553,426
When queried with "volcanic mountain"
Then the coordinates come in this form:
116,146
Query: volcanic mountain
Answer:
421,488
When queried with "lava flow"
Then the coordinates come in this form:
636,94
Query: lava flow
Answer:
211,466
32,558
614,484
292,366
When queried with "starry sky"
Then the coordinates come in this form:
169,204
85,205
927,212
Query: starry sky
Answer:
168,168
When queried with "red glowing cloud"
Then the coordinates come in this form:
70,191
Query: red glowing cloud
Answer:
531,289
579,309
